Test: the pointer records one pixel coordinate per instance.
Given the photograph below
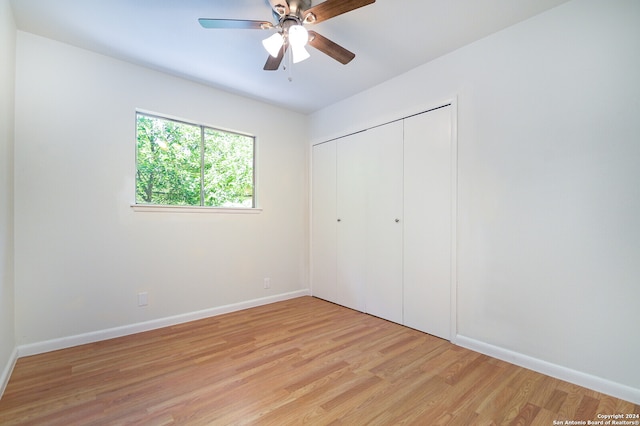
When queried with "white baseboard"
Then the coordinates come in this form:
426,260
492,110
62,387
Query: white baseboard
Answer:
598,384
96,336
8,369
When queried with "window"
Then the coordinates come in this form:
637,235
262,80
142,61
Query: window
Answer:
184,164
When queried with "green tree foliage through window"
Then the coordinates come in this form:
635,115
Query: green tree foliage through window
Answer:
182,164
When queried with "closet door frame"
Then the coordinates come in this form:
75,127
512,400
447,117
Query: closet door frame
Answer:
408,112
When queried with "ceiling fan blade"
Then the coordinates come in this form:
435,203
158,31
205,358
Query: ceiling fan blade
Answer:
235,24
330,48
272,63
330,8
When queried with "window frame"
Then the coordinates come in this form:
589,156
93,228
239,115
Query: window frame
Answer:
148,207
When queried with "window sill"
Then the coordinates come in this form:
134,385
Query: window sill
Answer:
193,209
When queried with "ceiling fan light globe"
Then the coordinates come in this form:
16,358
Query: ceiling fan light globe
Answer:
273,44
299,53
298,36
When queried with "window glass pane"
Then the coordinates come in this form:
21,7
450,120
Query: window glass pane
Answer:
168,159
228,169
182,164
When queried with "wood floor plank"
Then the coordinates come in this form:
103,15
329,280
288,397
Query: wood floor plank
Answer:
556,401
301,361
587,409
466,394
544,391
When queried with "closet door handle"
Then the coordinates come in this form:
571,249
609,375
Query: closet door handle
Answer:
397,220
339,220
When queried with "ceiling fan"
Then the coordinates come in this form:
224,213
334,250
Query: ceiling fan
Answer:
292,16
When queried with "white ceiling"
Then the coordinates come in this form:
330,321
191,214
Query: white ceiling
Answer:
388,37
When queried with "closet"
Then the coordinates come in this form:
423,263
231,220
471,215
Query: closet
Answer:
382,221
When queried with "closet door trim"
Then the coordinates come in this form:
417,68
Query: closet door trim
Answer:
410,112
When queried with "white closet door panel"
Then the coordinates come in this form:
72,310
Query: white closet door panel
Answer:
351,223
383,295
428,222
323,225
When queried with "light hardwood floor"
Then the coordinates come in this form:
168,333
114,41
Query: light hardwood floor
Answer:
294,362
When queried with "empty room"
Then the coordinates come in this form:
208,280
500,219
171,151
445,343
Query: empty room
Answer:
345,212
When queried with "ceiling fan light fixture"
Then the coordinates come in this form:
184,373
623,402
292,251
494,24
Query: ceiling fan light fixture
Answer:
273,44
299,53
298,36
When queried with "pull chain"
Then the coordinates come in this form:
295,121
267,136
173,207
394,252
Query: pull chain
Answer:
289,65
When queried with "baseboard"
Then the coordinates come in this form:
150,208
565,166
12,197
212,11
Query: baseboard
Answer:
598,384
8,369
96,336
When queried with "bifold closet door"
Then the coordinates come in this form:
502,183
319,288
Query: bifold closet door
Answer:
384,221
428,222
350,221
323,221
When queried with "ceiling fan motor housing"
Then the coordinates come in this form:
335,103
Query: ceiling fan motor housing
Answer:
292,8
297,6
289,21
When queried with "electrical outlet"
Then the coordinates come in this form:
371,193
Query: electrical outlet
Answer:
267,283
143,298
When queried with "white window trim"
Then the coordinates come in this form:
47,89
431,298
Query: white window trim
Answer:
156,208
153,208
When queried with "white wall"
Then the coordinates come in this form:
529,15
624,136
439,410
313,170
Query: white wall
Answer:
548,185
7,75
82,254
